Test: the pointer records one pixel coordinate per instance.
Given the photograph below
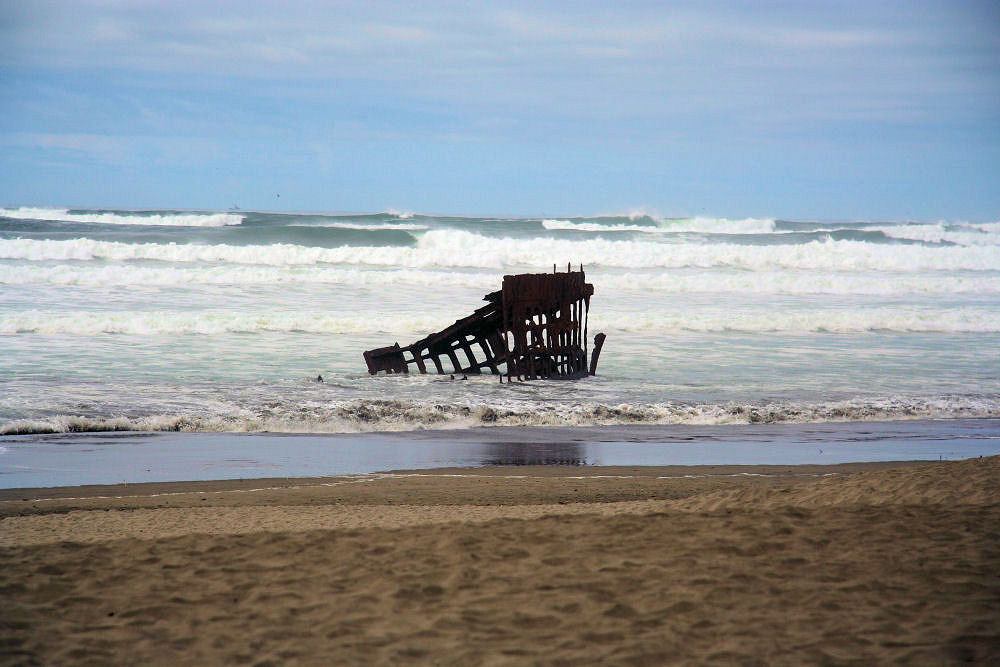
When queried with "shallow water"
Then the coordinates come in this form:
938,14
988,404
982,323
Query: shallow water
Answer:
112,458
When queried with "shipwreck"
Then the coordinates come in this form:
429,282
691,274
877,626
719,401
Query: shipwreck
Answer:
534,327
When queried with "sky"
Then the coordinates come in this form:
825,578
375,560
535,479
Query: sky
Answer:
799,110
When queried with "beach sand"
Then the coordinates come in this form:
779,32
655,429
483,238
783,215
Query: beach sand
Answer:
512,565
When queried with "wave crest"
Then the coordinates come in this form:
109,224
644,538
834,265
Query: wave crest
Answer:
400,226
164,322
399,415
461,249
133,218
669,226
673,282
966,235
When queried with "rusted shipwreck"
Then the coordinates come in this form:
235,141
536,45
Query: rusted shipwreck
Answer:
534,327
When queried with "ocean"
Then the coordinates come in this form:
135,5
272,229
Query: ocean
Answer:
220,321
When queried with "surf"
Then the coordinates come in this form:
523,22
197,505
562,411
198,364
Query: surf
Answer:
463,249
119,218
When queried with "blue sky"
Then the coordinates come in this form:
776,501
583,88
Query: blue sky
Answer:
860,110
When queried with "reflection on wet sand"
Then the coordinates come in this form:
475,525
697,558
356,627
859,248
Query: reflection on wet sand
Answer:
535,453
71,459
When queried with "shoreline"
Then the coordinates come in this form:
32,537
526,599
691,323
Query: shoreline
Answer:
128,458
638,431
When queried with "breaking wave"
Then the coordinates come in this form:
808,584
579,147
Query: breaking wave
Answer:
461,249
967,235
856,320
403,226
134,218
597,226
109,275
400,415
676,282
162,322
671,226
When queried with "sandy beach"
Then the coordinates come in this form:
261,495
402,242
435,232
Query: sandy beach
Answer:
512,565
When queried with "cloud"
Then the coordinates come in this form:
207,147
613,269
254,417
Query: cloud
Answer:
328,37
537,70
117,150
94,146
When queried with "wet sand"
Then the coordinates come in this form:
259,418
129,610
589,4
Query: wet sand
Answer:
71,459
512,565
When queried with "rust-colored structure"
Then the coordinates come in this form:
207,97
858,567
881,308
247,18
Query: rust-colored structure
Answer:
534,327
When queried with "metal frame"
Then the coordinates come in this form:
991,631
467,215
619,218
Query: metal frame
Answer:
534,327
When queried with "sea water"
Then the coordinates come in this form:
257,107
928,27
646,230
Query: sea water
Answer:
222,320
72,459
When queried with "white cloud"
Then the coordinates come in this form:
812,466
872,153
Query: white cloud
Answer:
193,36
598,60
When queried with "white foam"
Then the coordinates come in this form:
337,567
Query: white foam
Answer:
395,415
459,248
967,235
166,322
855,320
86,274
794,281
125,274
404,226
720,225
700,225
597,226
453,248
168,219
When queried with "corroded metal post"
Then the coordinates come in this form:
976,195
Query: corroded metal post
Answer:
598,344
